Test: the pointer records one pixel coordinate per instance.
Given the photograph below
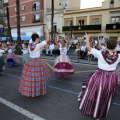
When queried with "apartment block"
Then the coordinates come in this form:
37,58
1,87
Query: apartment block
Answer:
31,17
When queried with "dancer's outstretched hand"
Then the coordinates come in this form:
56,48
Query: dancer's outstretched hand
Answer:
46,30
86,35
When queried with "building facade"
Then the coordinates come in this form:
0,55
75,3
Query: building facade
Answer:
100,21
59,7
31,17
1,20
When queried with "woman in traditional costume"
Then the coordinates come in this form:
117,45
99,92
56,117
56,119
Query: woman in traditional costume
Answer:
35,75
62,64
99,89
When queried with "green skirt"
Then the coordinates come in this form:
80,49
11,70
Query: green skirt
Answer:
25,58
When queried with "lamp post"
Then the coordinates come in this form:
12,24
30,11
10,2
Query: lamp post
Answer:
71,27
52,19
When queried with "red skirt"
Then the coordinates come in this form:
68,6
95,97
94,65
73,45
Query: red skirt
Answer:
34,78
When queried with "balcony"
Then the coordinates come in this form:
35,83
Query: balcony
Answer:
5,14
113,28
83,28
1,22
35,21
1,15
1,7
5,4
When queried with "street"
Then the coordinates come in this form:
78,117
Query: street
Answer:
60,102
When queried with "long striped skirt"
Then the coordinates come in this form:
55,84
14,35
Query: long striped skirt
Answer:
62,65
34,78
98,91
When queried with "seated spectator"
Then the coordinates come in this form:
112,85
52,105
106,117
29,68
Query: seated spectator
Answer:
56,50
83,51
77,49
73,46
75,41
50,49
12,59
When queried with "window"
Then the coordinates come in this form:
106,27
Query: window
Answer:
115,20
1,18
15,19
111,1
15,9
68,23
36,18
23,7
36,6
23,18
1,11
5,23
81,22
55,28
95,21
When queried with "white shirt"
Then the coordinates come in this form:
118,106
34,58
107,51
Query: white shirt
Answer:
83,48
30,41
103,48
103,40
1,52
51,47
63,51
75,41
117,47
25,51
102,64
36,52
96,42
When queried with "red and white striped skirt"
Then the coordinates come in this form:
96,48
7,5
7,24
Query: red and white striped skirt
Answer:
98,91
63,66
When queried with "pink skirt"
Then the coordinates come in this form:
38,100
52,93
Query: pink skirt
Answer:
63,66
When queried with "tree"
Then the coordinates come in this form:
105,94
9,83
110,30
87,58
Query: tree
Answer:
18,47
52,19
8,23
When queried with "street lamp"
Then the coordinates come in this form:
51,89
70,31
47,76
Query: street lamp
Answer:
71,24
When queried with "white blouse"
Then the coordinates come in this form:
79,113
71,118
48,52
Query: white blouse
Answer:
1,52
36,52
63,51
102,64
25,51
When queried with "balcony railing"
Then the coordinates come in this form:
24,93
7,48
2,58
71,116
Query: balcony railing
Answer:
36,21
1,15
5,14
113,27
1,6
83,28
1,22
5,4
